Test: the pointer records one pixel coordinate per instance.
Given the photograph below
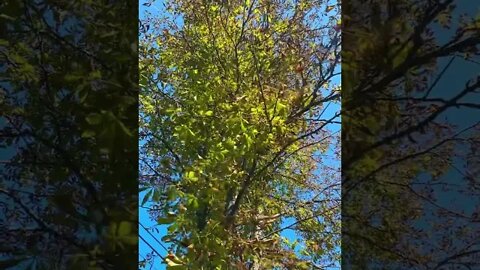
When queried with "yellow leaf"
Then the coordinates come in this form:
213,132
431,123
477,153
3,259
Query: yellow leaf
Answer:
171,263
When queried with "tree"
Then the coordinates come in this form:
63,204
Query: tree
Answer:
68,119
404,142
233,101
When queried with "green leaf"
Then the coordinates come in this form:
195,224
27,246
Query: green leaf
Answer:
94,119
171,193
4,16
147,197
124,228
156,195
165,220
88,134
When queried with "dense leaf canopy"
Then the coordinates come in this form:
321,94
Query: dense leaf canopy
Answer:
237,133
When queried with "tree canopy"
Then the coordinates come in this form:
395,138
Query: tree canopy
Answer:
68,140
410,125
236,132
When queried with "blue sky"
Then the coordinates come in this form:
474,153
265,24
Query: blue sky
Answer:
144,249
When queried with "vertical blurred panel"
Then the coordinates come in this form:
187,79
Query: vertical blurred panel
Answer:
410,138
68,134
